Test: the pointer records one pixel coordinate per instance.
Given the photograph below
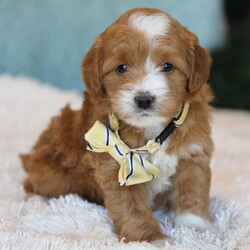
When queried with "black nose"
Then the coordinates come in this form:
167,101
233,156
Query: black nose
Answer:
144,101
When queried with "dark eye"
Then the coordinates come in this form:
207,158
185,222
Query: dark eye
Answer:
122,68
167,67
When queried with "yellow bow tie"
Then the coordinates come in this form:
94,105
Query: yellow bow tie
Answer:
134,169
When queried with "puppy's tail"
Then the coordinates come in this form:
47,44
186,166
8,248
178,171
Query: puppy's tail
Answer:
25,158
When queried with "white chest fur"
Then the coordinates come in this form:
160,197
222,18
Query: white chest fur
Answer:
167,165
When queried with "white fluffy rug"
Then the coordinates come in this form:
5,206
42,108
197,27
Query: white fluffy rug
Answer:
73,223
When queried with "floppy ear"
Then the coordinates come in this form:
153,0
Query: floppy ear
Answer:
91,67
200,62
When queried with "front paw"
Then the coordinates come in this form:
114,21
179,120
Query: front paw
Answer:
191,220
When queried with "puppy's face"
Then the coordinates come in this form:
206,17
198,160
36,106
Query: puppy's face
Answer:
148,65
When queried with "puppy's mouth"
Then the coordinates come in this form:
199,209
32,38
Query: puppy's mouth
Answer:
143,113
143,119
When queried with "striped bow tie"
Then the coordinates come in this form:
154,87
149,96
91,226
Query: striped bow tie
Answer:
134,169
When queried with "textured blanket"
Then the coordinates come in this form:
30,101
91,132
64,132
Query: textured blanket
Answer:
73,223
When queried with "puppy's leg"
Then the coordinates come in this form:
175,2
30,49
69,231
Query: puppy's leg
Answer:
132,217
190,197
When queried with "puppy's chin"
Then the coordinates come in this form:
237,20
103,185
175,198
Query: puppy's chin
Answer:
145,120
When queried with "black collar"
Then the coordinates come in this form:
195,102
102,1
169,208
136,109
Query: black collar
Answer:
176,122
167,131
